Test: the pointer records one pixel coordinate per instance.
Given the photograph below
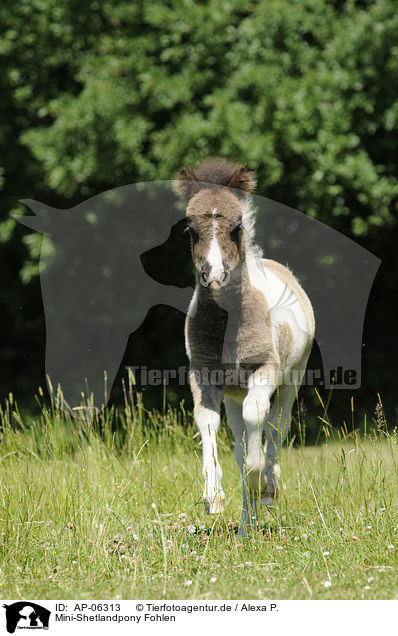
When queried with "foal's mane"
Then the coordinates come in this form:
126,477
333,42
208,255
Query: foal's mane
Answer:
217,172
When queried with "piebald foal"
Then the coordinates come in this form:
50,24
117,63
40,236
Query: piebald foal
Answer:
249,326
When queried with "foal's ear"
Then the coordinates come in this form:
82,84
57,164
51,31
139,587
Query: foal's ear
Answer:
185,184
242,179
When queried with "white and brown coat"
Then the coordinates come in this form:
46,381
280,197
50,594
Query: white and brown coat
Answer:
249,322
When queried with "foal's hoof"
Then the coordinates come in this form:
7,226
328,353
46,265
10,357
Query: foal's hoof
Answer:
256,484
215,506
267,501
270,496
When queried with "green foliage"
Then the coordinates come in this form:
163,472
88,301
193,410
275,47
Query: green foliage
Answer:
304,92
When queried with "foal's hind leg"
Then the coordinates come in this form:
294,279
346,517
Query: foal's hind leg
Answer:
249,505
276,432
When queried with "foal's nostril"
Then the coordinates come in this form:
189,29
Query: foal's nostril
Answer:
224,278
204,278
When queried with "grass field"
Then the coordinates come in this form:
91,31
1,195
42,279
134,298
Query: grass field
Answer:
90,513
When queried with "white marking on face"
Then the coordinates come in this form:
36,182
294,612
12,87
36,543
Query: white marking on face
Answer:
214,257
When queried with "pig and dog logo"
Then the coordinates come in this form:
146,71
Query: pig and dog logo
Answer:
26,615
98,282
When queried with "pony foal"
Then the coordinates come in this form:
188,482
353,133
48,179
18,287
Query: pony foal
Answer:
248,332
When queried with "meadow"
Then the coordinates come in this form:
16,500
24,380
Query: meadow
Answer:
109,507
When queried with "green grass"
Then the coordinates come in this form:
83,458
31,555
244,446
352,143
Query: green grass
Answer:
86,512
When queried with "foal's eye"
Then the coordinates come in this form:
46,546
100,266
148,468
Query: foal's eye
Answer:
192,231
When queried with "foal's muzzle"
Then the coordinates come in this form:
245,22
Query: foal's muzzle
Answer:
214,283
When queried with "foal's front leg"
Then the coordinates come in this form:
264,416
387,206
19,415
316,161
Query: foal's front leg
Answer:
207,400
256,407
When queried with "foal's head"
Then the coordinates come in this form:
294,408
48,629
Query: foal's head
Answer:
217,199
